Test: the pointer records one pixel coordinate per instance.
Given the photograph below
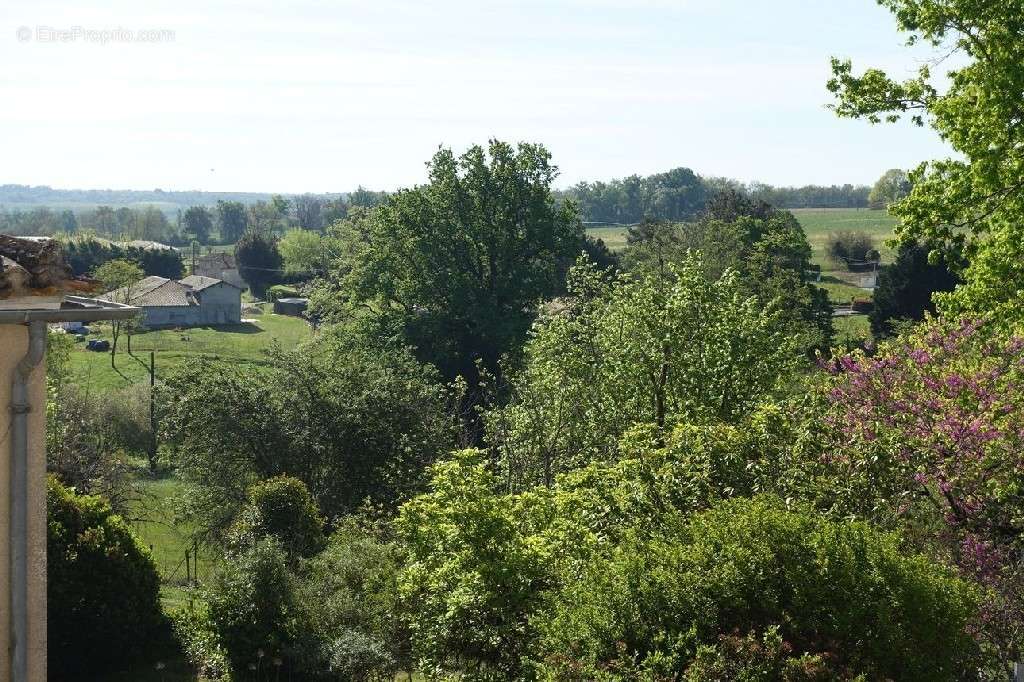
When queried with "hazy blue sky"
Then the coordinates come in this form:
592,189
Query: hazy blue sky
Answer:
301,95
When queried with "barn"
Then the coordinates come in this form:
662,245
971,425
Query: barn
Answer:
194,301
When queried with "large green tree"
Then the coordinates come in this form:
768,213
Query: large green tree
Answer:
231,220
259,261
197,222
890,188
971,205
766,246
628,351
458,266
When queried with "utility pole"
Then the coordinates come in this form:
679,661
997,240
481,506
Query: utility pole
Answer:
194,245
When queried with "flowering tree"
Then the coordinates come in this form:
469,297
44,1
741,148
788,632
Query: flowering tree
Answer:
931,430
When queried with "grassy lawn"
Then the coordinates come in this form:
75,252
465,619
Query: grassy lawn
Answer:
155,524
819,222
245,343
852,328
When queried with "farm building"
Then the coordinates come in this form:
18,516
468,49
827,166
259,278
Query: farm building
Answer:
194,301
220,266
291,306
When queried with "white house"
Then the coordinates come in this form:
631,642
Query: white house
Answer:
194,301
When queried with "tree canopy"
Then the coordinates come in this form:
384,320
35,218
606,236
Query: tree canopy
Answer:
458,266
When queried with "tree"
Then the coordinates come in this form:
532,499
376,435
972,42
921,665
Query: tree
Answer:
458,266
259,261
198,223
306,252
904,289
628,351
231,221
120,279
765,246
929,432
308,212
890,188
971,207
103,590
352,423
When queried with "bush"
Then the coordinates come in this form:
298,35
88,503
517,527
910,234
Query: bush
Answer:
103,602
281,291
904,289
852,248
280,508
714,589
252,605
349,599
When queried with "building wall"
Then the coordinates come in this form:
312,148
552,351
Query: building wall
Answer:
221,304
171,316
14,341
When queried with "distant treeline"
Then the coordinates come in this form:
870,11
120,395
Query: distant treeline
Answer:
680,195
25,196
223,222
676,195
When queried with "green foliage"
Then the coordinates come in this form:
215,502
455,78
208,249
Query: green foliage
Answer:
198,223
103,600
306,252
86,253
678,194
904,289
766,247
890,188
231,220
281,291
251,608
349,598
630,351
971,207
852,249
841,596
456,267
119,274
280,508
259,262
473,576
350,422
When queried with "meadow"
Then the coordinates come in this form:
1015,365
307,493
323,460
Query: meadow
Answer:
245,343
818,223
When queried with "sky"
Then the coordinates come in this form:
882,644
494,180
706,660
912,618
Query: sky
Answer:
317,96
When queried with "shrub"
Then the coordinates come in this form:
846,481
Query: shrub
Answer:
904,290
103,601
252,605
280,508
838,594
852,248
349,600
281,291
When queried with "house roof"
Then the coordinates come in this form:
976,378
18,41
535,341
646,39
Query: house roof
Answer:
200,282
159,291
224,261
154,291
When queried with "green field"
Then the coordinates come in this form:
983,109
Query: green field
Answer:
818,223
175,347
